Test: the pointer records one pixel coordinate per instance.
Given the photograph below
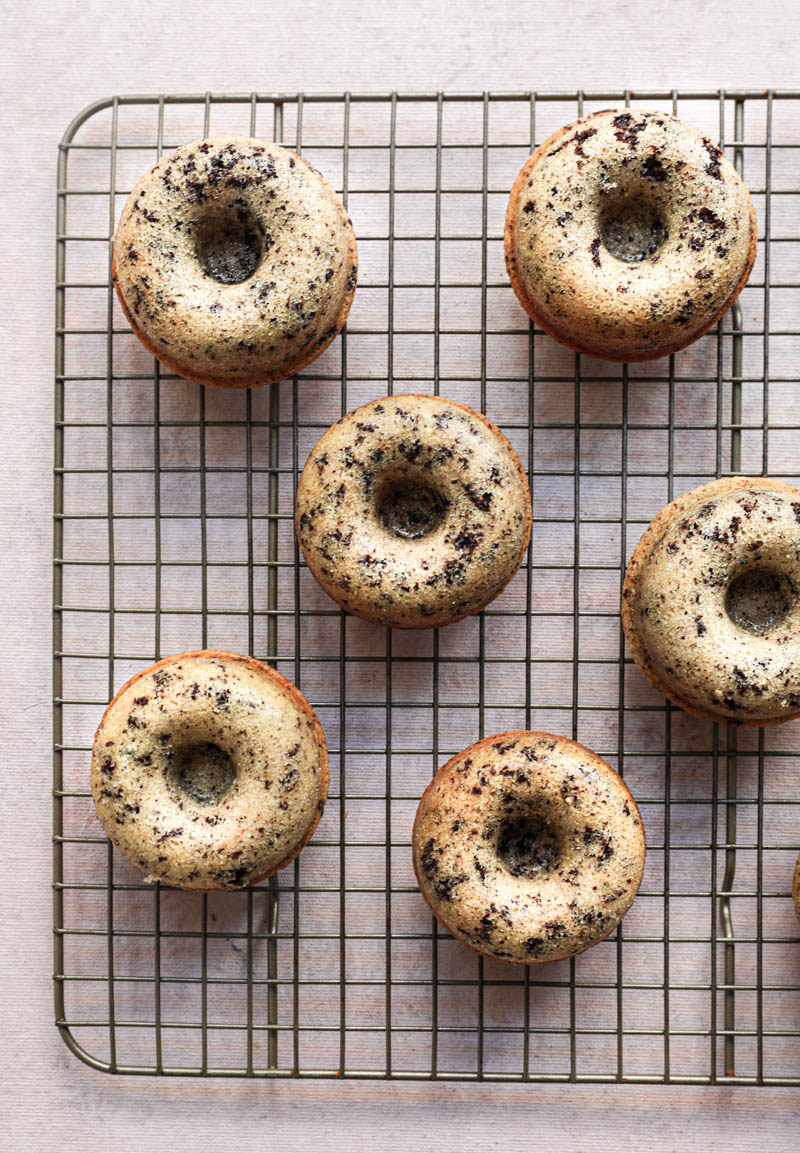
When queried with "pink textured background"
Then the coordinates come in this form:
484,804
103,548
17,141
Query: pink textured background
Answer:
59,57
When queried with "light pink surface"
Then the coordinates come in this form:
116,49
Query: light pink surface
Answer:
60,58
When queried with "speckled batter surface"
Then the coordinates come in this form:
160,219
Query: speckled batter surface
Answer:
413,511
620,177
711,601
528,847
228,710
267,223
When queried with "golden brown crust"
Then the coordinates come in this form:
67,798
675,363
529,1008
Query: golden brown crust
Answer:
476,751
286,687
207,381
565,335
423,622
286,370
641,553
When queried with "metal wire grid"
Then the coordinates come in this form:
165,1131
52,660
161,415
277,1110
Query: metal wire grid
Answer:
173,529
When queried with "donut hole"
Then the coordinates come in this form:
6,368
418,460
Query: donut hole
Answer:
632,229
229,246
758,599
203,772
528,845
410,508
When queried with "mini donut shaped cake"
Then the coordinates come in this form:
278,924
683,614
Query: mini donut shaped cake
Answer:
235,262
413,511
528,847
628,234
711,601
209,771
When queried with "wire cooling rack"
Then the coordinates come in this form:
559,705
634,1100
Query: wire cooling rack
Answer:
173,530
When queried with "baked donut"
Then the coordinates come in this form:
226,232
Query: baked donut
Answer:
413,511
235,262
209,771
711,601
528,847
628,234
796,888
